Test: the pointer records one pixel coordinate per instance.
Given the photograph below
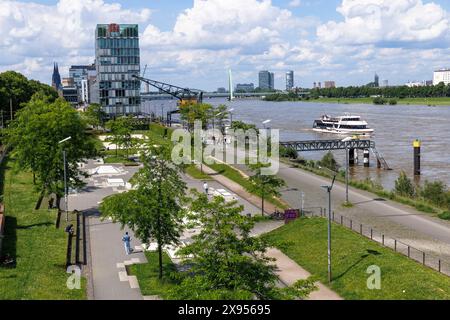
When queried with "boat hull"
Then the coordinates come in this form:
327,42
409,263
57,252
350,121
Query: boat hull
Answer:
362,132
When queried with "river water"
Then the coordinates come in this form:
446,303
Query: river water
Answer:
396,127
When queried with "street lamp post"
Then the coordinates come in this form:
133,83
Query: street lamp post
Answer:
328,189
66,200
266,122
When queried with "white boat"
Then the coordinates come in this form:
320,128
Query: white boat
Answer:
345,125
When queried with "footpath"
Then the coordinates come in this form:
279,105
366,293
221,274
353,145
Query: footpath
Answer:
288,270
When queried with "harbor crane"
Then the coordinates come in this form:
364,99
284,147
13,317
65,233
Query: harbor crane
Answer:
185,96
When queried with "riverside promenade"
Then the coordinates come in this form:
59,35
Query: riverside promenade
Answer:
107,276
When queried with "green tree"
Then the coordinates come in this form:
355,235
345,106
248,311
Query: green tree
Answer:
16,88
121,129
404,186
192,112
94,115
265,185
34,136
154,209
226,262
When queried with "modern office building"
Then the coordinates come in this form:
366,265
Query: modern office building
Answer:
289,80
221,90
441,75
70,94
376,81
266,80
117,60
329,84
385,83
245,87
68,82
80,73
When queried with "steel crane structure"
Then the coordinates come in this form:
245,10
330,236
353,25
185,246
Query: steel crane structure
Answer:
185,96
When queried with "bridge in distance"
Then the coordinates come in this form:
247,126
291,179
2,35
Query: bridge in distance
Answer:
153,95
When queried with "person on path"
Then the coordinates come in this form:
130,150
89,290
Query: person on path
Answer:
205,187
127,240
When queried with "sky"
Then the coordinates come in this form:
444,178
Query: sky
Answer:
195,43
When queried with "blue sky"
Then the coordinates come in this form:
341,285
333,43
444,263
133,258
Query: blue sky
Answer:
194,43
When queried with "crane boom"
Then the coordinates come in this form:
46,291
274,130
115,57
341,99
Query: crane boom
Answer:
184,95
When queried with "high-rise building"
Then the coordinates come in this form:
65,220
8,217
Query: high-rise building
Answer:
266,80
441,75
376,81
329,84
117,60
289,80
56,78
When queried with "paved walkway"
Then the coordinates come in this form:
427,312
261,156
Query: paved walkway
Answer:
239,190
290,272
108,279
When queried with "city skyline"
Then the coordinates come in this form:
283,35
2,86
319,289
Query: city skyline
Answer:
194,43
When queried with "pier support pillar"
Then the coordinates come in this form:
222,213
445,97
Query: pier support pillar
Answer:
366,158
378,163
417,145
351,157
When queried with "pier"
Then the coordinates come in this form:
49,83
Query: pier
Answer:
336,144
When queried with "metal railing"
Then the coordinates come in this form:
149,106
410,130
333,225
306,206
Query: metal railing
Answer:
427,259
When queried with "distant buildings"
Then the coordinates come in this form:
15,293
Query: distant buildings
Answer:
221,90
412,84
330,84
384,84
80,73
317,85
266,80
117,59
441,75
289,80
376,81
56,78
245,87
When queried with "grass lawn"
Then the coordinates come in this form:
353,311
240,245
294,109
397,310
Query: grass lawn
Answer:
196,173
237,177
147,275
32,239
305,241
407,101
114,159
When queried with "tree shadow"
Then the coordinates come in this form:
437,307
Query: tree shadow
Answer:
364,256
46,224
9,246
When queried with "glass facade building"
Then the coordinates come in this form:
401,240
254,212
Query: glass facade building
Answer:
266,80
117,60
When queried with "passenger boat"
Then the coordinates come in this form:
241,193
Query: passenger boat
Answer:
345,125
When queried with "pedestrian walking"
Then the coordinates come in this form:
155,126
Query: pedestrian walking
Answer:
205,187
127,240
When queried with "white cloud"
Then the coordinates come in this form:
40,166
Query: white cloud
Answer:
295,3
36,34
386,21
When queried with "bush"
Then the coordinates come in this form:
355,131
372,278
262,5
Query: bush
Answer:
392,102
329,162
379,100
290,153
403,186
435,192
444,215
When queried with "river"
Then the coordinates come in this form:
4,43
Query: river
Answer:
396,127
